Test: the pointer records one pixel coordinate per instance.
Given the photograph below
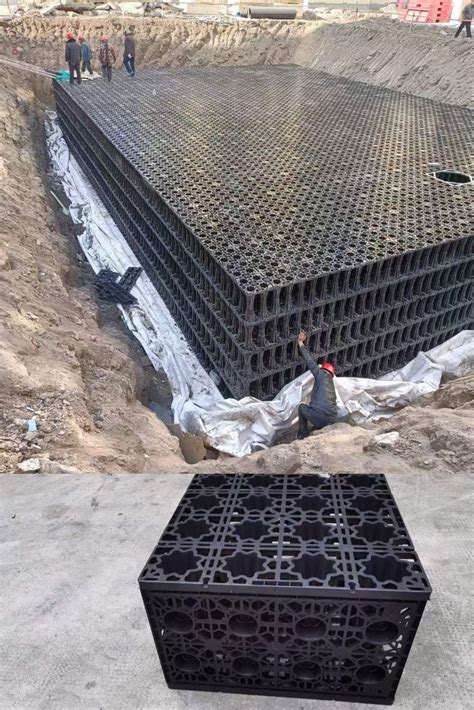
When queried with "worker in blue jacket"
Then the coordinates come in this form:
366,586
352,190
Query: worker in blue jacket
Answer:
86,55
322,409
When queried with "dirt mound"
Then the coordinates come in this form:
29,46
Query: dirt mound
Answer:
457,394
435,439
58,363
423,60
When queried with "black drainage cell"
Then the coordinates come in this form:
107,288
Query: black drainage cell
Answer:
311,615
318,264
453,176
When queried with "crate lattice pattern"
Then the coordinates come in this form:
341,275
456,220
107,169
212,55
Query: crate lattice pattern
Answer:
303,585
263,200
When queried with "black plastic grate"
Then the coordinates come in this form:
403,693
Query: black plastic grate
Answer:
265,200
294,584
110,286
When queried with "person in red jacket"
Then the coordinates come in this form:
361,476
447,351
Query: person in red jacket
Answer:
107,58
322,409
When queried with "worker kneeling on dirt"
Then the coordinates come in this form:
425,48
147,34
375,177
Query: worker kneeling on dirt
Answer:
322,409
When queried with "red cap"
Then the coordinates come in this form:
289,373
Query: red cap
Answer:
329,367
70,35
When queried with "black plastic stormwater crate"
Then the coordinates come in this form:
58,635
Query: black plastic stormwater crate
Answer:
263,200
292,585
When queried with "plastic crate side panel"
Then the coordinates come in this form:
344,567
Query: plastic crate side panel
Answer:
330,647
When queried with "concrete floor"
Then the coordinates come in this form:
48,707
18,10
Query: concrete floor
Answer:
73,632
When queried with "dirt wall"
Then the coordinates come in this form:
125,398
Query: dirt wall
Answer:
63,359
422,60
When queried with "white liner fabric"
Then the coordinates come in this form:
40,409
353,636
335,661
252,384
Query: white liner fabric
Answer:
236,427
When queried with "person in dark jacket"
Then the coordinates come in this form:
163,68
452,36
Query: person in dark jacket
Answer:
322,409
129,53
73,57
466,19
107,58
86,53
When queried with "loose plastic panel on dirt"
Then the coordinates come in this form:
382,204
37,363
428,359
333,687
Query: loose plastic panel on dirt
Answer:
110,286
299,585
263,200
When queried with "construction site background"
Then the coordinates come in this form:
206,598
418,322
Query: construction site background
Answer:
189,7
67,360
431,11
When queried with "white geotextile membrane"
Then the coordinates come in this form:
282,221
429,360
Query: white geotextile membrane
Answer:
237,427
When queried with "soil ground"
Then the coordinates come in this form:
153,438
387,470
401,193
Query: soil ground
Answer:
67,360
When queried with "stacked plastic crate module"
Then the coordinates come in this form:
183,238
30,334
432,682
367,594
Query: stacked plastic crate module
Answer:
263,200
294,585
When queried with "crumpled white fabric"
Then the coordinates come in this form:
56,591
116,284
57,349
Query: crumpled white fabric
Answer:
237,427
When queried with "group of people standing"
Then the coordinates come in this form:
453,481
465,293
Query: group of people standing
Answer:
79,56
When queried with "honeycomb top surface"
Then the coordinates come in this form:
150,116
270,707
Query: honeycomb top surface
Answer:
284,173
288,534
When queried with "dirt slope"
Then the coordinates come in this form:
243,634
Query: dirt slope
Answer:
436,435
422,60
57,361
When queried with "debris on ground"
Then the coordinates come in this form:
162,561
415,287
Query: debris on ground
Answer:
383,441
30,465
46,8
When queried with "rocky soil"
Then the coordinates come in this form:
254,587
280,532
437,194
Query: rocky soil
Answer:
436,435
66,361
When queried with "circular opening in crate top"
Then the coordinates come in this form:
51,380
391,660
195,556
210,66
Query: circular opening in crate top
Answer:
453,176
